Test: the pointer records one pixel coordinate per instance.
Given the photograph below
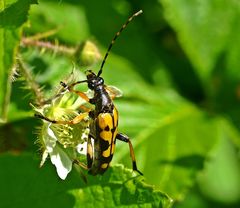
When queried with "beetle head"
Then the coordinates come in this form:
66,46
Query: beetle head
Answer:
93,80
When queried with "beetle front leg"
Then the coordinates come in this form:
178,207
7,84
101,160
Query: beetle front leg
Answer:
125,138
70,88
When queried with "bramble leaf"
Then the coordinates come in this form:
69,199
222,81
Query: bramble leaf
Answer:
118,187
13,14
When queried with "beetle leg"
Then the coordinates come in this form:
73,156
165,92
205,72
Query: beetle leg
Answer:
76,120
89,152
82,165
125,138
77,162
81,94
85,108
70,88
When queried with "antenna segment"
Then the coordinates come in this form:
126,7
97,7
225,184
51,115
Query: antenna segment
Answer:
115,37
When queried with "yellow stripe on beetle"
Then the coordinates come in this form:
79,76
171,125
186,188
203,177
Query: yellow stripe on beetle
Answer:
104,120
104,165
115,134
106,135
115,116
113,148
107,152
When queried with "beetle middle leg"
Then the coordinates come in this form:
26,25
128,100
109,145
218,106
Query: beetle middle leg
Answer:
89,152
125,138
75,120
89,155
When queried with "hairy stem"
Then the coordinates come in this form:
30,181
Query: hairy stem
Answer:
31,82
48,45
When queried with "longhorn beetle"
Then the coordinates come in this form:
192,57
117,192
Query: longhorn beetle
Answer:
104,118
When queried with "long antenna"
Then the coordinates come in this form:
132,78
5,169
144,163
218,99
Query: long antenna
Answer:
115,37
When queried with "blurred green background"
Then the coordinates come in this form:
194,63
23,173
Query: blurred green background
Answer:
178,67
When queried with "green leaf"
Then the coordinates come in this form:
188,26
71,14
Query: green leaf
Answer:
216,181
12,16
203,29
68,20
170,146
118,187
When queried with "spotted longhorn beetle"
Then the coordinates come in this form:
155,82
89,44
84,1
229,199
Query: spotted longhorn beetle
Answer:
104,118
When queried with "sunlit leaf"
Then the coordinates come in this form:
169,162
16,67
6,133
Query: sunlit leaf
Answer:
170,147
203,29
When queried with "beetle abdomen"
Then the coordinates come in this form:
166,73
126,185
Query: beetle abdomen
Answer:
106,131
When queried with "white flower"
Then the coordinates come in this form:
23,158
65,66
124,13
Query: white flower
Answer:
57,155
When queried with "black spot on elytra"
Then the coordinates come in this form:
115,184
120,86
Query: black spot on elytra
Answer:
106,159
107,128
104,145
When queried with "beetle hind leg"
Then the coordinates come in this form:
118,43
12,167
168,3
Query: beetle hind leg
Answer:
125,138
82,165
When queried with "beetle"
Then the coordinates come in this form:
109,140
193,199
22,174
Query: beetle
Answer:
104,118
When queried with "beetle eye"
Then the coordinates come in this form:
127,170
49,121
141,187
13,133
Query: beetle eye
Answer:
101,81
90,85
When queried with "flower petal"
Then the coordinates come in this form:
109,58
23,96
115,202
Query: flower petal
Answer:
50,139
61,161
44,157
